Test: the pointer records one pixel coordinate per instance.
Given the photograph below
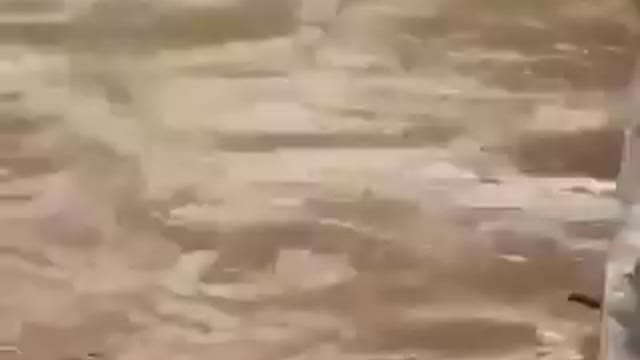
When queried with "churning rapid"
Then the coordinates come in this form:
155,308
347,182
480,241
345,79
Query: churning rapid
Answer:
307,179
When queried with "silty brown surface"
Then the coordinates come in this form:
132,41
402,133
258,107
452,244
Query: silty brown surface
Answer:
275,180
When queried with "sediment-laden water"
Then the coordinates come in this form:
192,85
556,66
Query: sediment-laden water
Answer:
280,179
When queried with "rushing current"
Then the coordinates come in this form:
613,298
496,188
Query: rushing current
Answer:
309,179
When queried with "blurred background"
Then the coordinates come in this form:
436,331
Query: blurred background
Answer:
308,179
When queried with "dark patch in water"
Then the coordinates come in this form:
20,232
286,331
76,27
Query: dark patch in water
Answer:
595,153
417,136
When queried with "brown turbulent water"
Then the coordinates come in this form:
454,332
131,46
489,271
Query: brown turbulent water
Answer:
280,179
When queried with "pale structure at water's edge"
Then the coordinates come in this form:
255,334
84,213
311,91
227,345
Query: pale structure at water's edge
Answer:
621,317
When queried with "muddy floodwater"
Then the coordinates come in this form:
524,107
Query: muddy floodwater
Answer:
308,179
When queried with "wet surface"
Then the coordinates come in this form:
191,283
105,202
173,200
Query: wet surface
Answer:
260,180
